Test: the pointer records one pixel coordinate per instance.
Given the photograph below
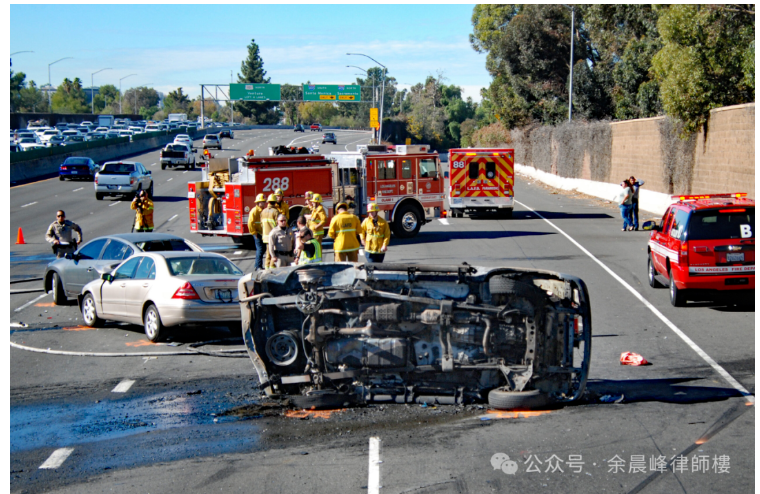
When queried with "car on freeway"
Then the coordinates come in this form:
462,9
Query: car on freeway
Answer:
159,290
112,134
329,334
329,137
74,139
136,130
28,143
41,130
227,133
126,133
101,130
58,140
21,134
47,134
703,248
183,139
298,128
78,167
66,277
122,178
86,123
315,127
15,148
61,126
70,132
95,136
152,128
212,141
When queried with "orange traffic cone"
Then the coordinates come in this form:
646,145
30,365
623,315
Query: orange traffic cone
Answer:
20,237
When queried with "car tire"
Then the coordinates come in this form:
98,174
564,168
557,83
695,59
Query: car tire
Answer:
677,296
99,196
163,166
407,221
502,399
150,190
652,273
90,312
60,177
59,295
505,214
152,324
322,401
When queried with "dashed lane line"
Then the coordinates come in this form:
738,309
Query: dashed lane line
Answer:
30,302
444,221
373,480
113,204
712,363
152,164
30,204
75,190
172,217
56,459
123,386
170,179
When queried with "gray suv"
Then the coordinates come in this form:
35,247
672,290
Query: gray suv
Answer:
329,137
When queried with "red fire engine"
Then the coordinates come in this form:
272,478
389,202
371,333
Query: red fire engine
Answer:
406,185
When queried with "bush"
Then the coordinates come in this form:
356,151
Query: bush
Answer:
494,135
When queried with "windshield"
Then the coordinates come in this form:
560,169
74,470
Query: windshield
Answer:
712,224
163,245
179,266
118,169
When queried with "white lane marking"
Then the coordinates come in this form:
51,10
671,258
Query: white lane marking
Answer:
238,252
444,221
123,386
170,179
373,481
30,302
172,217
57,458
152,164
30,204
80,188
184,172
720,370
113,204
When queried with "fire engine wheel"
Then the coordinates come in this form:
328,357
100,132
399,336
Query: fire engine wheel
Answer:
505,214
407,221
652,273
501,399
677,297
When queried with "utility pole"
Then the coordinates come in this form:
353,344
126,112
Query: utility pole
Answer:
572,45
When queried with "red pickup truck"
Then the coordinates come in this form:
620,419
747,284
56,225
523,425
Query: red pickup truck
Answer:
316,127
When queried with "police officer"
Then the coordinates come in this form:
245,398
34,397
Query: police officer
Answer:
376,234
144,212
60,233
283,206
311,250
281,243
318,218
254,227
344,228
268,223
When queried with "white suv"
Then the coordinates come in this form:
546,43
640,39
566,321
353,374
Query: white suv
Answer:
152,128
212,141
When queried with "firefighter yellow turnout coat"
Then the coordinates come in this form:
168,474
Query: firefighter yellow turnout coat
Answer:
344,228
375,237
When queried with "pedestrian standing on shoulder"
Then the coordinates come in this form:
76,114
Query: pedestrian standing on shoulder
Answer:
254,227
60,234
281,244
268,223
624,199
376,234
635,185
344,229
311,250
143,207
318,218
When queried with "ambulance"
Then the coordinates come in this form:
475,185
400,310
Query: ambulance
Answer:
481,181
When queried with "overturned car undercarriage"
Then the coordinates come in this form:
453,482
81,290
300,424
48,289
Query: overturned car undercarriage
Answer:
339,334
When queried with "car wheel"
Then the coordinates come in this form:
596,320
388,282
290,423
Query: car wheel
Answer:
150,190
652,273
677,297
90,312
60,177
502,399
152,323
322,400
59,295
99,196
163,166
407,221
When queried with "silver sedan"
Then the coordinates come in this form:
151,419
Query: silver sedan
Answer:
162,289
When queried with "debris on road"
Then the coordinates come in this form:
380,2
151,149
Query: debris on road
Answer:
630,358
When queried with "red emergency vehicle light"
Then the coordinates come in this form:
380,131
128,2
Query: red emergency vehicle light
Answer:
732,210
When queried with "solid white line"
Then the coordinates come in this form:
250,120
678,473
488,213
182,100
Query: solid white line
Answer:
30,204
720,370
170,179
123,386
172,217
444,221
80,188
57,458
373,481
30,302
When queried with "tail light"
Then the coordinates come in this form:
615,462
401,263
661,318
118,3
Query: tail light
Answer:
64,168
683,256
578,325
132,180
186,292
96,180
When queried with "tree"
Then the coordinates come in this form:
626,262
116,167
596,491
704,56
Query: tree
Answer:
17,83
107,95
290,108
252,71
703,62
70,98
135,99
176,102
32,99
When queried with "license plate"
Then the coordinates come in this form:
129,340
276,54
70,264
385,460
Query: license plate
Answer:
735,257
225,295
111,186
74,173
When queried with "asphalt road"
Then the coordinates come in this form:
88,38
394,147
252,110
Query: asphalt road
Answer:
190,422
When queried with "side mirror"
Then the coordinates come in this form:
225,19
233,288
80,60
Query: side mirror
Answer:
149,172
106,277
69,256
650,225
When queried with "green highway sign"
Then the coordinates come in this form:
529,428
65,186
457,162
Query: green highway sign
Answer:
255,92
331,92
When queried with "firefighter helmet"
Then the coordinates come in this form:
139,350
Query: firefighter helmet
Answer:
372,208
316,198
308,193
271,198
278,192
341,205
260,198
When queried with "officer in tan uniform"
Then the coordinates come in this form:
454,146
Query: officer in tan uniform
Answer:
268,223
281,243
60,233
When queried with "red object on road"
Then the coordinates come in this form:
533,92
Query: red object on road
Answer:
630,358
20,237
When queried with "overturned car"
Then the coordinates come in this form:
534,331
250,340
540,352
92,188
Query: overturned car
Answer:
339,334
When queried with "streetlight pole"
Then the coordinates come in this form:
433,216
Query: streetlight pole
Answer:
49,85
373,88
572,45
92,87
130,75
382,97
17,52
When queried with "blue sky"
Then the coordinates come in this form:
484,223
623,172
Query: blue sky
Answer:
185,45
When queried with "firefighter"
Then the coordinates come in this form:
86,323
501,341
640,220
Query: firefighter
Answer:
318,218
311,251
254,227
60,233
306,210
206,154
300,226
376,234
143,212
283,206
268,223
344,228
250,154
281,243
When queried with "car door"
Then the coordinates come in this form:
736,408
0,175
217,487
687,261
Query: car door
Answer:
75,273
137,289
660,247
113,293
115,252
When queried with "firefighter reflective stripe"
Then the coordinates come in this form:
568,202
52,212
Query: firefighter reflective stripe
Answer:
346,230
317,257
